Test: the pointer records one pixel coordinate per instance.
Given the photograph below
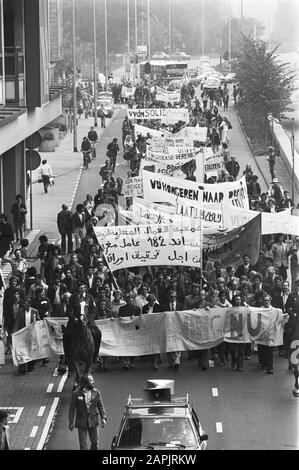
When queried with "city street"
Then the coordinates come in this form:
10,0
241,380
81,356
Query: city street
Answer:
202,257
239,411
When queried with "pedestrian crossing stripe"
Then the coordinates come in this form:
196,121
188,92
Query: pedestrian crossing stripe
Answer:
15,415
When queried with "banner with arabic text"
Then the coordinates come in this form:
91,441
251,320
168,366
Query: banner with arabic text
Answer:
150,245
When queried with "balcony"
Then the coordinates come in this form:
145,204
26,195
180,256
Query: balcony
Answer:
14,76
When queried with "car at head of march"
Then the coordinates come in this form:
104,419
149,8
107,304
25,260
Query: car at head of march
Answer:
159,421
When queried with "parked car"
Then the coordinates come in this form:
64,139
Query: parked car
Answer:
160,55
229,78
160,421
105,94
180,56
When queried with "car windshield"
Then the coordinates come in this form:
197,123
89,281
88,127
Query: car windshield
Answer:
157,431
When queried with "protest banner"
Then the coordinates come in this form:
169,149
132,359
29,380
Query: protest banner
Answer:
168,96
153,245
168,189
127,92
133,187
158,333
144,212
167,115
229,246
144,131
172,154
276,222
214,164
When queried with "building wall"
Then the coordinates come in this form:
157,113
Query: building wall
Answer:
13,167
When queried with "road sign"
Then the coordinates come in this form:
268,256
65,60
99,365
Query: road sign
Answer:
33,141
32,159
142,50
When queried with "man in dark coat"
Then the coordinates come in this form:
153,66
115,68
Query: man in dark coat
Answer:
6,235
65,228
18,210
85,407
233,167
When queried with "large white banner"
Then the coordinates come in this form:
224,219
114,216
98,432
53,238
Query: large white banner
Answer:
167,115
168,189
144,131
272,223
144,212
168,96
214,164
158,333
150,245
172,154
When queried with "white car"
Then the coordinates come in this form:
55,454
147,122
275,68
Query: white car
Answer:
105,94
160,55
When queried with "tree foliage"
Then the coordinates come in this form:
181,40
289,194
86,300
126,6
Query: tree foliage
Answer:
267,83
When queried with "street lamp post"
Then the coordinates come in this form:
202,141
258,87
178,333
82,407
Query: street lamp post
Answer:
75,149
136,38
95,91
148,31
106,47
229,38
128,37
202,27
169,27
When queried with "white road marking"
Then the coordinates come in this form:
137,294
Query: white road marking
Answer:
62,382
34,431
48,424
215,392
26,448
50,388
15,416
41,411
219,427
55,373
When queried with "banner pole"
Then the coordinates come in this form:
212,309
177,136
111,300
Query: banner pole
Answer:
116,286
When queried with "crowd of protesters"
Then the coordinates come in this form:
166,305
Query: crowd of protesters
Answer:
78,266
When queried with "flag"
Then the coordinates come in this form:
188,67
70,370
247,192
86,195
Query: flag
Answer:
229,247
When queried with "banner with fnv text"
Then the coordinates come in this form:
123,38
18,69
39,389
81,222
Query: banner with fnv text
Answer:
158,188
167,115
149,245
158,333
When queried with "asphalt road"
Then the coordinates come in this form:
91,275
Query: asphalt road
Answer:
253,410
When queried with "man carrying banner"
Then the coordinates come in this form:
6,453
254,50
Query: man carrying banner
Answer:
171,304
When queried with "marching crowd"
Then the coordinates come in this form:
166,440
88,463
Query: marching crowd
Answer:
77,272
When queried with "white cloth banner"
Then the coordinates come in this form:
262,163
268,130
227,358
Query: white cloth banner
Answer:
150,245
168,189
144,131
132,187
167,115
168,96
272,223
144,212
173,154
158,332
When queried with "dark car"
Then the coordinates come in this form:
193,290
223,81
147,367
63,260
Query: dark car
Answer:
160,421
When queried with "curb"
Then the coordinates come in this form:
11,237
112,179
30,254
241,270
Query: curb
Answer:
250,145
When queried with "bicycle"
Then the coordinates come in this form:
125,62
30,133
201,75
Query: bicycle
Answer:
93,149
86,159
